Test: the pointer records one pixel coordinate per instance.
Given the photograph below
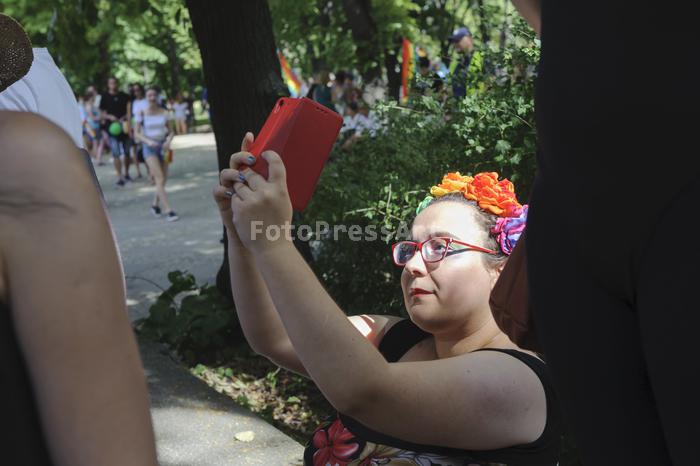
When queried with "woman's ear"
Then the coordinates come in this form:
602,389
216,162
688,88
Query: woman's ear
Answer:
495,272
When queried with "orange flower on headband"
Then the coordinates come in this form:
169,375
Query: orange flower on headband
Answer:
492,195
451,183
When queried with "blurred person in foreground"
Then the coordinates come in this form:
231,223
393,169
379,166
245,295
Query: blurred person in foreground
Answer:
618,318
30,81
74,392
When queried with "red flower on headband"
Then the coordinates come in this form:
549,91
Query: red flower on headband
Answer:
492,195
497,197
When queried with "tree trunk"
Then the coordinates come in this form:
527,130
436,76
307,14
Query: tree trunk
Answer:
324,21
505,26
445,44
174,66
483,23
364,33
393,74
242,74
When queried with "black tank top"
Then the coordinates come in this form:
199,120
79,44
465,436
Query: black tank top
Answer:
344,440
22,440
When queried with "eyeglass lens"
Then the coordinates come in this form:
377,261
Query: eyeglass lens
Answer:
433,250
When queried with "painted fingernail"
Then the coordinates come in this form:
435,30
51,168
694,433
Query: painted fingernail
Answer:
229,193
241,177
251,158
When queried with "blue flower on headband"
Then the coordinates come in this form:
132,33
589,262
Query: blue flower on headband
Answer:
508,230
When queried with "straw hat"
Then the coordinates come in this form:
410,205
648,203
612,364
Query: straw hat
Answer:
16,55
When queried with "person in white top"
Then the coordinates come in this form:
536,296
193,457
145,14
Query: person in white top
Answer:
180,107
31,82
44,90
138,104
356,122
153,130
92,127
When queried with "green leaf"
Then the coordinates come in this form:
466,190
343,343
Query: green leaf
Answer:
502,146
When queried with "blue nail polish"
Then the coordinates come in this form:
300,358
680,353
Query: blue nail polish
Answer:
241,177
251,158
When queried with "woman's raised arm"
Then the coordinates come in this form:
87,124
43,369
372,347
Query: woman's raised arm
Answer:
256,311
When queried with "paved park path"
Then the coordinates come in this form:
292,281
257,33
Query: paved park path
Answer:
194,424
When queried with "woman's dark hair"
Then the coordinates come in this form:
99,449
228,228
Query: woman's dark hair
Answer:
486,221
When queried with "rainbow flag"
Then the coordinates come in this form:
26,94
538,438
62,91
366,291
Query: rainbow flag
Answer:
293,82
407,68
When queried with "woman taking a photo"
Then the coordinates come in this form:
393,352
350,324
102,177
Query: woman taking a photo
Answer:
152,129
445,387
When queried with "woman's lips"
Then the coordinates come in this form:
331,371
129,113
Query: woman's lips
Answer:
419,292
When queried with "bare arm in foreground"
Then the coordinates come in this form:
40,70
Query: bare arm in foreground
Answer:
61,275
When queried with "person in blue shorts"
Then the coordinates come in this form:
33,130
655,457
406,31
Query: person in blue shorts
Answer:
153,130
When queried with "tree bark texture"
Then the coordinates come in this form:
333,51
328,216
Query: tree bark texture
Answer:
364,33
242,74
174,66
393,72
483,23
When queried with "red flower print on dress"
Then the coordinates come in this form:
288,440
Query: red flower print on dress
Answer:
335,446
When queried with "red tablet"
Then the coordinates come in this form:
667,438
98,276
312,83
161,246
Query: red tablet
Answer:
302,132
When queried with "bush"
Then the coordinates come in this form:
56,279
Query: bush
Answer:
381,180
195,321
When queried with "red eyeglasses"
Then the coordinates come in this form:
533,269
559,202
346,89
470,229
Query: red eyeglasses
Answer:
432,250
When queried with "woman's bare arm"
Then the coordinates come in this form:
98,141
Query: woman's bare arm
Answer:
427,402
256,312
65,286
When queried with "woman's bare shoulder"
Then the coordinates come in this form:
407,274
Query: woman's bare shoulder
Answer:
38,161
29,139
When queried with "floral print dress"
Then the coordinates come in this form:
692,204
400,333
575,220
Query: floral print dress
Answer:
343,441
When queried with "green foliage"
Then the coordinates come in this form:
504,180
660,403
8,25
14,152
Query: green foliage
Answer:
381,180
196,321
149,41
315,33
312,34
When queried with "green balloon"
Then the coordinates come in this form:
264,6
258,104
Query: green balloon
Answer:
115,129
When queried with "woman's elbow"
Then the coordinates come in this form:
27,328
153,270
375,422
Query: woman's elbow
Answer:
356,399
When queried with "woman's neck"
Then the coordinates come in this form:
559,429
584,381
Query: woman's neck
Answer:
484,334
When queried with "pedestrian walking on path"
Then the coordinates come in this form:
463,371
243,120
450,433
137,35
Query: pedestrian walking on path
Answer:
153,130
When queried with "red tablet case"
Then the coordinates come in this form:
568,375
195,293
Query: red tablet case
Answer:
302,132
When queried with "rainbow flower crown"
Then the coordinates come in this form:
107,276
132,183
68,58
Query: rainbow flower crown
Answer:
492,195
